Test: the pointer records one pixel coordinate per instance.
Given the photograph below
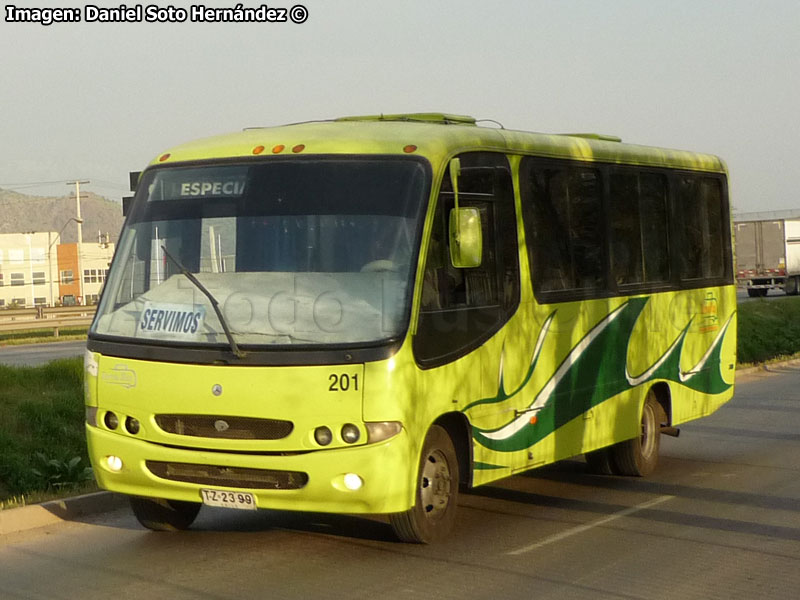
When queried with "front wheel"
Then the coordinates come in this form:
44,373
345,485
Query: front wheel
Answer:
639,456
434,511
164,515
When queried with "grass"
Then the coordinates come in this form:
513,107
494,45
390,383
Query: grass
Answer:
41,336
768,329
41,429
39,497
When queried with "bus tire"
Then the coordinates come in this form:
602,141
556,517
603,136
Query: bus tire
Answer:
638,457
164,515
601,462
434,511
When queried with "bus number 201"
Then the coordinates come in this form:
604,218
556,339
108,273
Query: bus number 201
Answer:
342,382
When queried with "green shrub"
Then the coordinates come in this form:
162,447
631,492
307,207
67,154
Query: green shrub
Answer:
41,427
768,329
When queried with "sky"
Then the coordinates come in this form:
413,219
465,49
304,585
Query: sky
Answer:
93,101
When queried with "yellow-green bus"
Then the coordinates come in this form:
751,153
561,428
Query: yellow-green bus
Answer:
365,314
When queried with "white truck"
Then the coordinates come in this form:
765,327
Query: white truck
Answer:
768,251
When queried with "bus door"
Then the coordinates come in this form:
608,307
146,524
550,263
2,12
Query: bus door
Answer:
463,310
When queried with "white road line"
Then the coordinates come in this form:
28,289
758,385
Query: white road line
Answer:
581,528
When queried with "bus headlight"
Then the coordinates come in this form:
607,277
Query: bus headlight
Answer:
111,420
323,436
350,433
377,432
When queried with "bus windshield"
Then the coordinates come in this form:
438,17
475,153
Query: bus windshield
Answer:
294,251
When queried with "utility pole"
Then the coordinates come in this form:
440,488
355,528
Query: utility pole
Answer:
77,183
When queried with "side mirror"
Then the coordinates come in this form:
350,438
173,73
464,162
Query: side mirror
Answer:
133,179
466,239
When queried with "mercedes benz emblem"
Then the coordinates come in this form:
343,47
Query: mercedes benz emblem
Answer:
221,425
216,389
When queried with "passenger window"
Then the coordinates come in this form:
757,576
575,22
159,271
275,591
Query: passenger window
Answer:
565,228
700,204
639,228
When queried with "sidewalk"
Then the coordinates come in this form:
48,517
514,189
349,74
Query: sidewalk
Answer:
68,509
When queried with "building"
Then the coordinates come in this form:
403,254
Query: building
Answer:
27,264
35,270
80,280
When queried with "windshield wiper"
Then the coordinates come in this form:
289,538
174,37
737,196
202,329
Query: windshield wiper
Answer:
190,276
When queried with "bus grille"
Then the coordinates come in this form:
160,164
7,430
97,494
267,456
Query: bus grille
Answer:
238,477
229,428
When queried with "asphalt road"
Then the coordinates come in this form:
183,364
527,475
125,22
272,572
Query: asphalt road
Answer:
719,519
38,354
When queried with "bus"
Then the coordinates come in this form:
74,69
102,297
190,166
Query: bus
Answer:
367,314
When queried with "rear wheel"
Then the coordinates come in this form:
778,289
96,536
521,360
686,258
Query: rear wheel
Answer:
601,462
639,456
164,515
433,514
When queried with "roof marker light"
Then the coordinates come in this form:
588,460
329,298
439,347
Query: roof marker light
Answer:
299,148
258,149
278,149
164,157
409,149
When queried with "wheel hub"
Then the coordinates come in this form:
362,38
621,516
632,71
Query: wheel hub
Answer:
436,480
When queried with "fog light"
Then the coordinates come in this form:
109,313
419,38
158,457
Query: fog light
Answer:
353,482
114,463
323,435
350,433
132,425
111,420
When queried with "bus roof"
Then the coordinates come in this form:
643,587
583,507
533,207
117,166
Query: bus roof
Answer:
436,136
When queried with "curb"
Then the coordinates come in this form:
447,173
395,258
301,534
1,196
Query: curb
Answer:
14,520
768,367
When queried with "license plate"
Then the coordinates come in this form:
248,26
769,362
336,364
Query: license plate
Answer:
226,499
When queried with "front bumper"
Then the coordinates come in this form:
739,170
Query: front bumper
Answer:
388,470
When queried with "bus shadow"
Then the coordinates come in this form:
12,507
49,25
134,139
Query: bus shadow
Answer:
261,521
575,473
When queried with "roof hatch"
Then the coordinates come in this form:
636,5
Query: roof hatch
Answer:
441,118
595,136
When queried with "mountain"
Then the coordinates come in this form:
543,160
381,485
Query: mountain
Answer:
20,213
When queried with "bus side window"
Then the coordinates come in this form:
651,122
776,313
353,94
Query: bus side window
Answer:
462,307
639,228
564,222
700,206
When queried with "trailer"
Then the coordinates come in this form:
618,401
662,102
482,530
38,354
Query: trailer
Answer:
768,252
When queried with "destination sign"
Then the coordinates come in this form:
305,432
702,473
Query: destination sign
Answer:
214,182
170,321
